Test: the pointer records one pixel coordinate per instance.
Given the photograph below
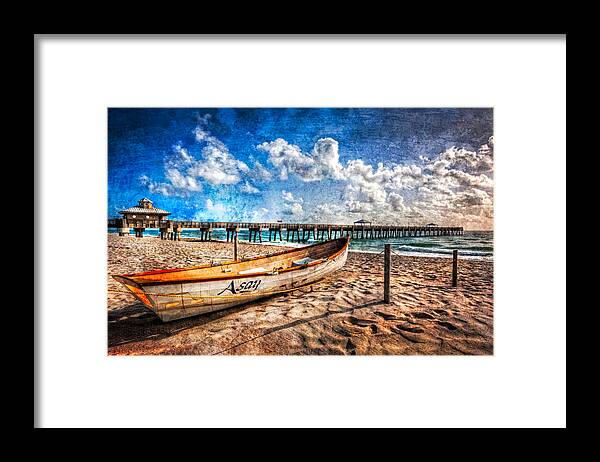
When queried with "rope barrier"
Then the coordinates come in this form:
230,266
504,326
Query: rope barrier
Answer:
373,257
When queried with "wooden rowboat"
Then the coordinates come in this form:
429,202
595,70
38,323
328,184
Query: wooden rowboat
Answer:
182,292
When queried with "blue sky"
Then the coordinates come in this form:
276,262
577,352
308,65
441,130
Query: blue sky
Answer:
403,166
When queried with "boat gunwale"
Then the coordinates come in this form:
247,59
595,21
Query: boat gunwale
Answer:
236,276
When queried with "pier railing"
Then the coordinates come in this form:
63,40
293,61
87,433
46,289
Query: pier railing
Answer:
294,232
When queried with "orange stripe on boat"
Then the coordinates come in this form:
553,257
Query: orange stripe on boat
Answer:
141,295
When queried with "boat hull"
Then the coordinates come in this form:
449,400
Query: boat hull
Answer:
181,299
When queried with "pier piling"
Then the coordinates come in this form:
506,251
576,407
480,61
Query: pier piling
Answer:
454,268
235,245
386,272
295,232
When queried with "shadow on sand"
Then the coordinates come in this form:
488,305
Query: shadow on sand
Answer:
135,323
298,322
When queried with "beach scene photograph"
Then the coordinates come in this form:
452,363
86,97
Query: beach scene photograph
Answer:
300,231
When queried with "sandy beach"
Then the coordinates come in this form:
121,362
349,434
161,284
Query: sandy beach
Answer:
343,314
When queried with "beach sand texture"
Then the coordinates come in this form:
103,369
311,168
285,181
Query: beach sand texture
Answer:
343,314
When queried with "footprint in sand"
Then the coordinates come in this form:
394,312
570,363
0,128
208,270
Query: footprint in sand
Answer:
341,331
361,322
350,347
386,316
422,315
407,328
410,336
447,325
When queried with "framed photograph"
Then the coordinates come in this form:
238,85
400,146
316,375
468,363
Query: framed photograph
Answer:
268,231
300,231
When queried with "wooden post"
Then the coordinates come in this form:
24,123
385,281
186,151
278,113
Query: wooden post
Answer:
454,267
235,245
386,272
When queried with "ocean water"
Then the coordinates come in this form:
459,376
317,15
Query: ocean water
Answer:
473,244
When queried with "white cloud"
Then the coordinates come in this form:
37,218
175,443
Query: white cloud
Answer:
292,204
472,198
396,201
259,173
326,156
182,181
214,207
218,166
288,158
480,161
294,209
322,162
353,206
185,173
327,213
452,187
158,188
203,135
249,189
289,197
183,154
259,215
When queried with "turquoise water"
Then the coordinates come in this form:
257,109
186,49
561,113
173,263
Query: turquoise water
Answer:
473,244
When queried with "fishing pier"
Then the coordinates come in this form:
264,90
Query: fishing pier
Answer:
145,216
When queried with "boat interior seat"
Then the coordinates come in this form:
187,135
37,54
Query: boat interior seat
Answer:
253,270
305,261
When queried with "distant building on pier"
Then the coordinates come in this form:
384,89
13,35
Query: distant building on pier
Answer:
362,222
145,210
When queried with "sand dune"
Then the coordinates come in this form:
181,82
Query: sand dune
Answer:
343,314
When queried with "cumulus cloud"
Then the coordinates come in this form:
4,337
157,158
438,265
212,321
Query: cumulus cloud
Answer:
292,204
354,206
396,202
216,166
322,162
472,198
258,172
166,189
182,181
213,210
249,189
454,185
480,161
294,209
259,214
377,190
289,197
326,156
